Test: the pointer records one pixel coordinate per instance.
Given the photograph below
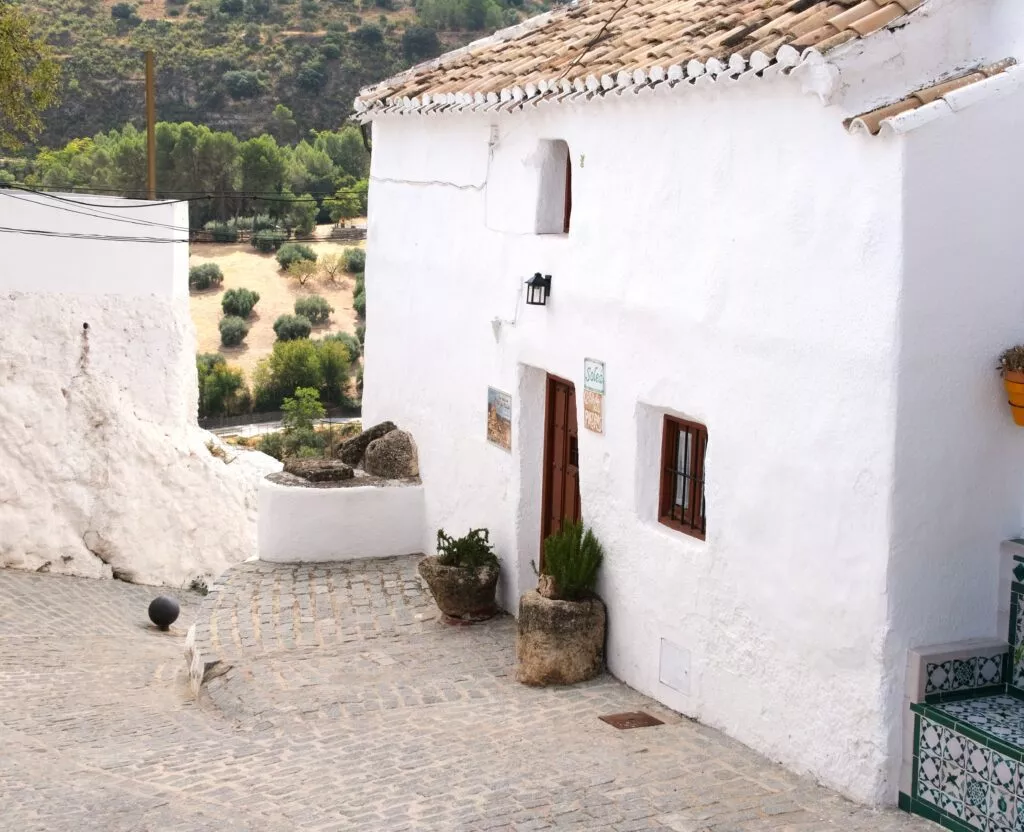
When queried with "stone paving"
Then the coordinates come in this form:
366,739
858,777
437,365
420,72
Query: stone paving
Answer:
342,702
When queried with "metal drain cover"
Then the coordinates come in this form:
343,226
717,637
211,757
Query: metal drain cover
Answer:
633,719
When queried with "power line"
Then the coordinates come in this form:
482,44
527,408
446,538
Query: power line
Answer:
17,186
595,40
71,235
97,214
187,196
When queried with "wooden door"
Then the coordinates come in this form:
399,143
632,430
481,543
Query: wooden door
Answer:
561,459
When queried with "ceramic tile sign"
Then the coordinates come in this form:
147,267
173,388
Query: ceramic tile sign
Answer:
593,395
593,375
593,411
499,418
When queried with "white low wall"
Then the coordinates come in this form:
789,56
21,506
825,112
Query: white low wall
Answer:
334,524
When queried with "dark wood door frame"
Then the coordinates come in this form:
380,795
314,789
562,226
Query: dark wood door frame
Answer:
561,481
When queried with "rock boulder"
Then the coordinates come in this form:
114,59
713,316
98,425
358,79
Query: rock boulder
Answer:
392,457
319,470
351,451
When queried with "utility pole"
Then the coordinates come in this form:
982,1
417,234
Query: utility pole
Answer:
151,125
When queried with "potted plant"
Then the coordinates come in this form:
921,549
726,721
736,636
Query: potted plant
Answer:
1011,363
560,636
463,576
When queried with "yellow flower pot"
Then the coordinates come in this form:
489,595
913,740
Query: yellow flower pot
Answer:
1014,383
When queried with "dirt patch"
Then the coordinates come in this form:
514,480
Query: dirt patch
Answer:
243,266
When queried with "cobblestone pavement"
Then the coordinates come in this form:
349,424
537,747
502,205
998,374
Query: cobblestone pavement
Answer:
344,704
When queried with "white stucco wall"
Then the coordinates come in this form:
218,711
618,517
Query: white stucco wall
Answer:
959,489
323,525
734,258
103,469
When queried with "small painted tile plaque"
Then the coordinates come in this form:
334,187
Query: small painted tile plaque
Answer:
593,395
499,418
593,375
593,411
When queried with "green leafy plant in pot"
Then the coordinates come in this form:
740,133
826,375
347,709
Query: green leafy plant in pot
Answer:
463,576
1011,365
561,627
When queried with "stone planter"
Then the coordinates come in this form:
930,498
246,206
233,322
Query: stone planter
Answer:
559,642
462,594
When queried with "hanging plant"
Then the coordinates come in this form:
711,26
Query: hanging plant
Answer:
1011,364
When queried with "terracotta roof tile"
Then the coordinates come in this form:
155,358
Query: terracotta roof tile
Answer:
606,37
872,120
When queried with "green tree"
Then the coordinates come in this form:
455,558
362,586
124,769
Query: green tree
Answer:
369,35
355,262
29,78
239,302
233,330
242,83
346,149
222,389
420,43
315,308
217,167
302,410
292,327
310,170
292,253
261,165
291,365
302,271
257,8
283,125
343,205
335,362
312,75
301,215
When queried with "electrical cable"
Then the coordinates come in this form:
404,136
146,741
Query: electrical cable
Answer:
71,235
187,196
101,214
97,213
595,40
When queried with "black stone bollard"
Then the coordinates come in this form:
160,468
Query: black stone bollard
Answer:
163,611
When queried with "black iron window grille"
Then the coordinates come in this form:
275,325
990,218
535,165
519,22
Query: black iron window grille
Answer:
683,447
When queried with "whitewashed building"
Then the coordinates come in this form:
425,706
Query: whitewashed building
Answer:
784,239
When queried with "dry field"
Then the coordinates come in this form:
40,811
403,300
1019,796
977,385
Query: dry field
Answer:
243,266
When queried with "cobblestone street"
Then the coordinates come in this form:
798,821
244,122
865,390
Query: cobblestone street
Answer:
341,702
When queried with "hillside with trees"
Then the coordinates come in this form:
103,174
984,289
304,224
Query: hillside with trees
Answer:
248,67
293,187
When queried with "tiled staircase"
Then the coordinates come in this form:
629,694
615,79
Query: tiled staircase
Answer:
964,768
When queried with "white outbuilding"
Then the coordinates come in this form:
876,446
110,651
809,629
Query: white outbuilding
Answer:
730,280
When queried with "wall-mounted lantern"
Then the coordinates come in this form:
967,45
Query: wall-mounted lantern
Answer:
538,289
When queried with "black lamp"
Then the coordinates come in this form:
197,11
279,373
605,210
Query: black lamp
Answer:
538,289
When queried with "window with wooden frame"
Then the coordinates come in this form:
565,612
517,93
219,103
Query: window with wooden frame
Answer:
681,502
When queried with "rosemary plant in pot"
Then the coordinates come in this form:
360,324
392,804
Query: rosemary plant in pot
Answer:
561,627
463,576
1011,363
